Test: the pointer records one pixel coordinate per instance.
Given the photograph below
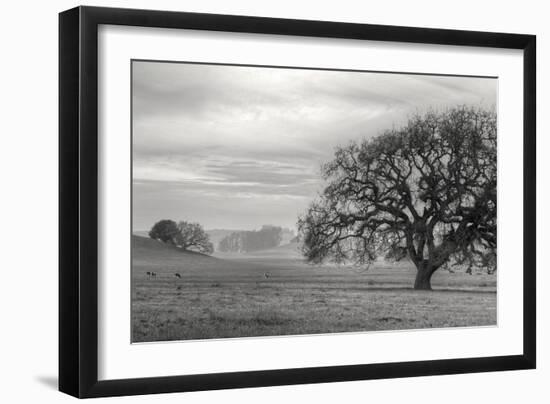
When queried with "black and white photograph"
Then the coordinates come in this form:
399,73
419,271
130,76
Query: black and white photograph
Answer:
271,201
275,202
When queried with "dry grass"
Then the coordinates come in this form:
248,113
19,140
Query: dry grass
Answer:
224,298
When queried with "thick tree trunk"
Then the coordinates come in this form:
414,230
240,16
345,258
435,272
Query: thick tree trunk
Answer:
423,279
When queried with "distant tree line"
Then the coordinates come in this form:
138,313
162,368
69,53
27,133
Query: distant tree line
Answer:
246,241
184,235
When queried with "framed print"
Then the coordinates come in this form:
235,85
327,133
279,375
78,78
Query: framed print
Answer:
250,201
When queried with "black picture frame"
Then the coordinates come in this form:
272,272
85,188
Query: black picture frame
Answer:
78,201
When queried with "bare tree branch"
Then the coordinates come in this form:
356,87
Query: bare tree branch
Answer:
427,190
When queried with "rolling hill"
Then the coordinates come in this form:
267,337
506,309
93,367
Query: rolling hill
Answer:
166,260
152,255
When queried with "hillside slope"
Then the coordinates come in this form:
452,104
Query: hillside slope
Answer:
151,255
148,247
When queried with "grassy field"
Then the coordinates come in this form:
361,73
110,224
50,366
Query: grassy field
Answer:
228,296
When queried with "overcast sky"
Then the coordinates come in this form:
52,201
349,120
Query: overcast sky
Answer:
237,147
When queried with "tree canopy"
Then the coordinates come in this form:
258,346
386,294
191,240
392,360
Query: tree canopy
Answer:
185,235
426,191
165,231
192,236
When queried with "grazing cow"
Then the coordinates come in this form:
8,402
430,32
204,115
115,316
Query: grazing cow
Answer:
177,275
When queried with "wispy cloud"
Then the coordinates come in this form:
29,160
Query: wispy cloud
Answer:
246,144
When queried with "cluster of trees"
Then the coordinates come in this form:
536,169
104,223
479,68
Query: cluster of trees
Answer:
426,191
185,235
246,241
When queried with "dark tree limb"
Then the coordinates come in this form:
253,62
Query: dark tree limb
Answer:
426,191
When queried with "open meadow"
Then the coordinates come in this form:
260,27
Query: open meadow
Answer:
274,292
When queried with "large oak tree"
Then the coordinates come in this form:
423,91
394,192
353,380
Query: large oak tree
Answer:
426,191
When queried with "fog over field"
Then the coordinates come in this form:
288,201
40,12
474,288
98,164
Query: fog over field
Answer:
227,296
